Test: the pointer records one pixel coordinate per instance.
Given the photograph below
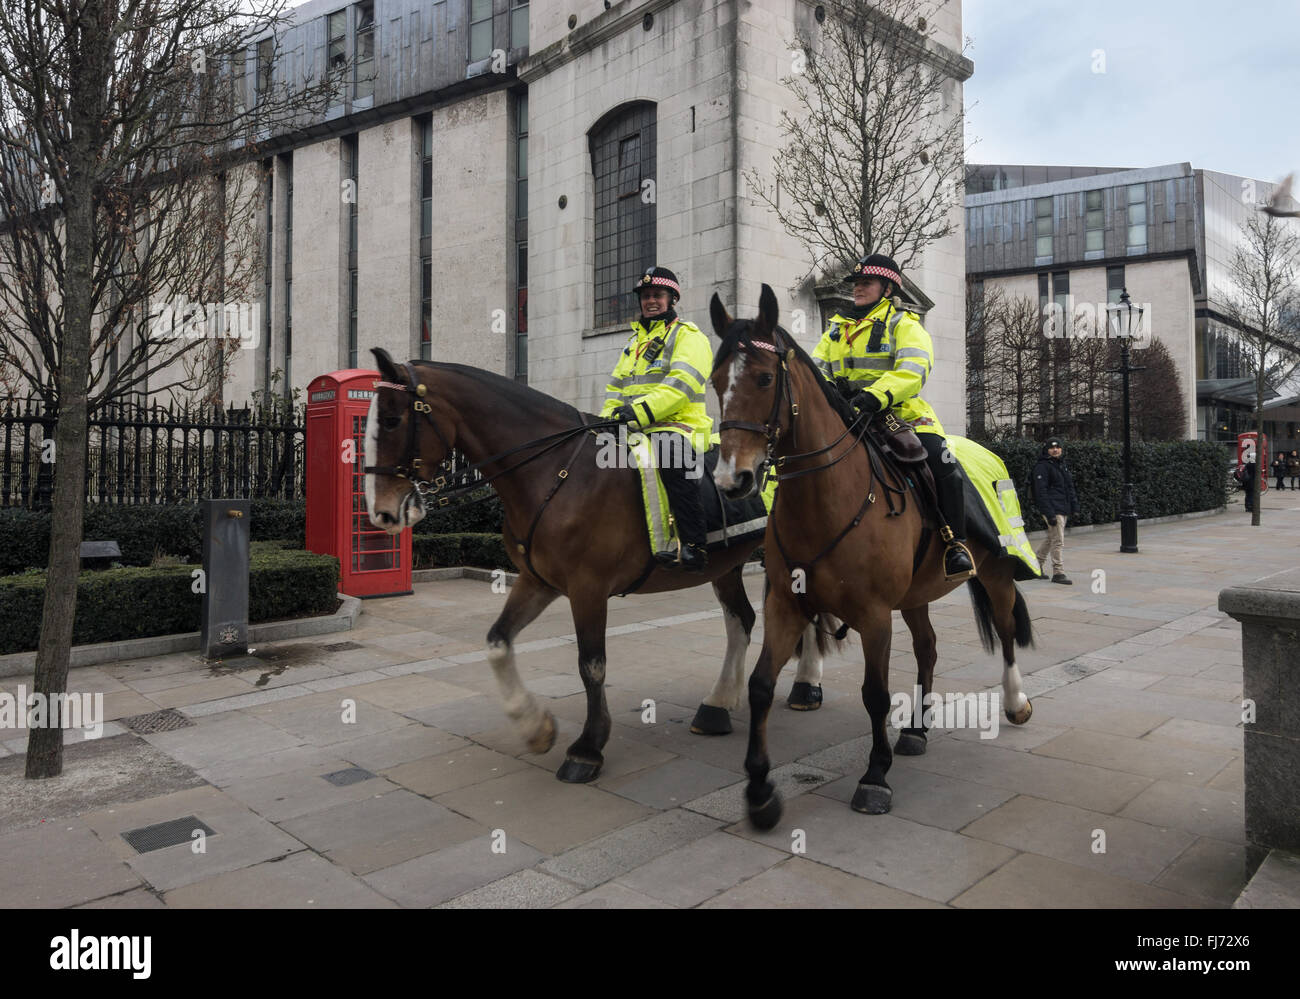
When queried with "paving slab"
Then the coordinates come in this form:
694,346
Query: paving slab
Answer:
301,792
931,799
301,881
799,883
435,775
609,856
671,784
239,839
1203,811
435,877
613,895
521,890
728,804
701,869
382,831
1129,848
532,806
1034,882
59,863
136,898
892,851
1136,756
1209,869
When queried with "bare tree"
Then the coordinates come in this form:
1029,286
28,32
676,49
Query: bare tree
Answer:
115,116
1162,415
1012,372
1264,306
984,306
872,159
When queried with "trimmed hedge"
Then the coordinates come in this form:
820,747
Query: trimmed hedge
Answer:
484,517
1169,477
117,604
141,531
486,551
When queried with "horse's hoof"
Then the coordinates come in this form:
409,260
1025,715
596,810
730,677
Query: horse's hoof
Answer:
873,799
578,772
1019,718
910,743
766,815
544,739
711,720
805,697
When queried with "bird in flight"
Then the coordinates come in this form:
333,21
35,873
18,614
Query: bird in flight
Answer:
1282,205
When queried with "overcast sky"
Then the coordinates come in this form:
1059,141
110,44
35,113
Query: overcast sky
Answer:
1213,84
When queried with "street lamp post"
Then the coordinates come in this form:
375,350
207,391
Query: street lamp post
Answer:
1121,318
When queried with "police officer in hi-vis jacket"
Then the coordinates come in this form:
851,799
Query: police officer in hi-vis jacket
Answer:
658,388
881,356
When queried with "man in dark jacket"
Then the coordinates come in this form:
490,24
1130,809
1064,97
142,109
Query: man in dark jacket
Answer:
1055,498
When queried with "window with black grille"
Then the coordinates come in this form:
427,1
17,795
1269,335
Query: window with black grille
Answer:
623,165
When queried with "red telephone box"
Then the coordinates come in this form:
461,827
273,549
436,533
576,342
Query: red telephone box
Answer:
1247,451
372,562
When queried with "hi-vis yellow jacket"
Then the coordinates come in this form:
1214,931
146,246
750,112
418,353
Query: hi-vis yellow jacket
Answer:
663,374
889,354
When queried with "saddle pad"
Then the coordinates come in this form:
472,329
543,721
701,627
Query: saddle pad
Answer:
726,522
993,515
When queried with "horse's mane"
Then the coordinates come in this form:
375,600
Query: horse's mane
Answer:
737,336
516,393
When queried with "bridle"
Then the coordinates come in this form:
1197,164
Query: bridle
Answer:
430,489
771,430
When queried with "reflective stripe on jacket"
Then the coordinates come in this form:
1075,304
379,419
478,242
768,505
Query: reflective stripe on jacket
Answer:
889,353
667,391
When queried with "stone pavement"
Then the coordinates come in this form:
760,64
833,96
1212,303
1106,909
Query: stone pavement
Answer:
380,770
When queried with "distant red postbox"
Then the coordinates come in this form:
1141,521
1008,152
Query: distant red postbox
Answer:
373,563
1247,451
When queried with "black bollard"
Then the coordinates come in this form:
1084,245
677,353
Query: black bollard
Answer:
224,629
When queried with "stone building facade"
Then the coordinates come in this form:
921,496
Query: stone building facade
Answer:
497,169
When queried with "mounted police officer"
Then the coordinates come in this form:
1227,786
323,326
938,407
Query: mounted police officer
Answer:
658,388
880,356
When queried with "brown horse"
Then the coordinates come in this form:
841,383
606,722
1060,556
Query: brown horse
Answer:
830,534
571,527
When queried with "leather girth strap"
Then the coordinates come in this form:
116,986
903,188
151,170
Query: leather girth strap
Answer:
525,548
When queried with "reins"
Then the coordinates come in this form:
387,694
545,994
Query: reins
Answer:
772,431
430,489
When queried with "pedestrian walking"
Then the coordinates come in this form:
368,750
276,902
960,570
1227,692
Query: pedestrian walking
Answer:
1293,468
1056,500
1248,481
1279,469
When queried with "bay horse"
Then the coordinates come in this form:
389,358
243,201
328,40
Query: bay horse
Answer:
851,557
571,528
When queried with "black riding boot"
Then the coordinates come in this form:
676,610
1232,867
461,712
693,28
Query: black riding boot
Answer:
957,562
688,513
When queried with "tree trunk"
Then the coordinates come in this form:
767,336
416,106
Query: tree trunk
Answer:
45,745
1261,472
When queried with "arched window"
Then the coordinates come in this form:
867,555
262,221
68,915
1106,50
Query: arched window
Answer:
623,165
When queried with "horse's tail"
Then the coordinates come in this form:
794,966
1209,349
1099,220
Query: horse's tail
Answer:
831,632
984,618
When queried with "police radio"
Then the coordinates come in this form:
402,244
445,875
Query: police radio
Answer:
653,349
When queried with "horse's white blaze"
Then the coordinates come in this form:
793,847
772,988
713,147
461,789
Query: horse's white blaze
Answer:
810,660
1013,697
522,706
733,376
372,454
730,685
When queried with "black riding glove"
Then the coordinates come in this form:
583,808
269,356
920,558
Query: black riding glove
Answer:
625,414
866,404
847,389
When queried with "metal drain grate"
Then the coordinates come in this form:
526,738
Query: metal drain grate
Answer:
341,646
166,720
353,775
158,837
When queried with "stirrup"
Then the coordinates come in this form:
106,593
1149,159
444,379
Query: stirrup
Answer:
951,544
